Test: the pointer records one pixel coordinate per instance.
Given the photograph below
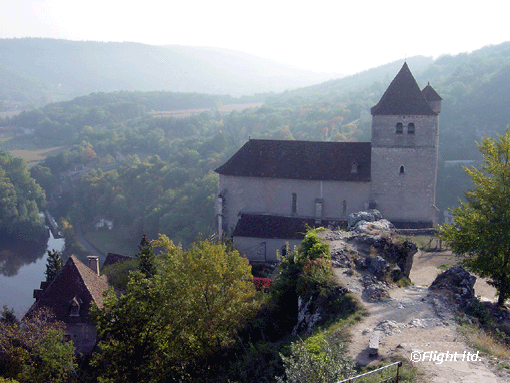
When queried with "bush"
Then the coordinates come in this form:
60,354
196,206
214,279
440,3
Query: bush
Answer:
315,278
118,273
313,248
316,360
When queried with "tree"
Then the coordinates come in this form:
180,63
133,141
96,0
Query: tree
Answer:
146,257
479,236
34,351
54,264
190,309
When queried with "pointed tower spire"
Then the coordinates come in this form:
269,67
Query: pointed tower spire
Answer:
403,97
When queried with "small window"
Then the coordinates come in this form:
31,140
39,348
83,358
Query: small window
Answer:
294,203
354,167
344,207
410,128
74,310
402,170
400,128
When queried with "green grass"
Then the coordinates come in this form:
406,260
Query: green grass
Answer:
408,373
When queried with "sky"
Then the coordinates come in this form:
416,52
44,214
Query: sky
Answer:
332,36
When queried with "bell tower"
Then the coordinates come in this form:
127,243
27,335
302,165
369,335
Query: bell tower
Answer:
405,133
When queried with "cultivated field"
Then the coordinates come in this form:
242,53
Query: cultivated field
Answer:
224,109
36,155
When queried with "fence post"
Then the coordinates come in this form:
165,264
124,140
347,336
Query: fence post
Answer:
398,368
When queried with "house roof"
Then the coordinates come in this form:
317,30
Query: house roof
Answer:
403,97
112,258
77,282
277,227
304,160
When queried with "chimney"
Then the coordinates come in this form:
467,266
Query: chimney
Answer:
93,263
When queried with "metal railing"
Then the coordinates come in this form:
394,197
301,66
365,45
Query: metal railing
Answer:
391,379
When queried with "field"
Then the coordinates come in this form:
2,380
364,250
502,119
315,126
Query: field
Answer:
224,109
36,155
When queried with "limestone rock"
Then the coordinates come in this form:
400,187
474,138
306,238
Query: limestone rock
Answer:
457,281
370,215
307,317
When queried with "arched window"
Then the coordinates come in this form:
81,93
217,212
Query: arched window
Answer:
400,128
402,169
354,167
410,128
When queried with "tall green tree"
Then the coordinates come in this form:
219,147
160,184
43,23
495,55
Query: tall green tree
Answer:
165,326
146,257
54,264
479,236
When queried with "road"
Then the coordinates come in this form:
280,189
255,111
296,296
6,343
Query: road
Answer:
90,248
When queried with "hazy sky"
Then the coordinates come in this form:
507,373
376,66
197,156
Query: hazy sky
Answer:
330,36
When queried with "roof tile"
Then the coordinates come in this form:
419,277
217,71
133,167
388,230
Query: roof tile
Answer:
304,160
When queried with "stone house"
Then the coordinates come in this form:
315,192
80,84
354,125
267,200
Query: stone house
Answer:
270,190
100,222
70,296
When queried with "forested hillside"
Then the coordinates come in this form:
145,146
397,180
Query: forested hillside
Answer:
155,174
34,71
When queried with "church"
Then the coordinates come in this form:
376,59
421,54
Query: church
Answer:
271,190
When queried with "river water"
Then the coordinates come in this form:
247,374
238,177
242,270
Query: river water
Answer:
21,271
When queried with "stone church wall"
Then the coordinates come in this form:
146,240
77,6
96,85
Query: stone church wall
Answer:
256,195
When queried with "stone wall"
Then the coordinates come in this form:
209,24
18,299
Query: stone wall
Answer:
274,196
263,250
404,168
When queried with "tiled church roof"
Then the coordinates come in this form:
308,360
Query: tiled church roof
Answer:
403,97
303,160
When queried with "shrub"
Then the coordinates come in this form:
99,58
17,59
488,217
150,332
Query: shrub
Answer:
315,278
312,247
262,284
316,360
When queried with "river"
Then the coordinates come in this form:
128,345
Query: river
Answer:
21,271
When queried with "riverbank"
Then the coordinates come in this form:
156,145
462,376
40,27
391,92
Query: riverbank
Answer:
21,272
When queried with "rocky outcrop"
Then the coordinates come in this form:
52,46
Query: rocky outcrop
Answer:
372,248
370,215
307,316
458,283
399,254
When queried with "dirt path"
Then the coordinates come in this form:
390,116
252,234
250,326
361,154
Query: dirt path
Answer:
413,322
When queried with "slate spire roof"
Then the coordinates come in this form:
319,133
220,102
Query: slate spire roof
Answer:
303,160
403,97
430,94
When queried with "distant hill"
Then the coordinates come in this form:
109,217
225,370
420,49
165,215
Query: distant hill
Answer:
43,70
